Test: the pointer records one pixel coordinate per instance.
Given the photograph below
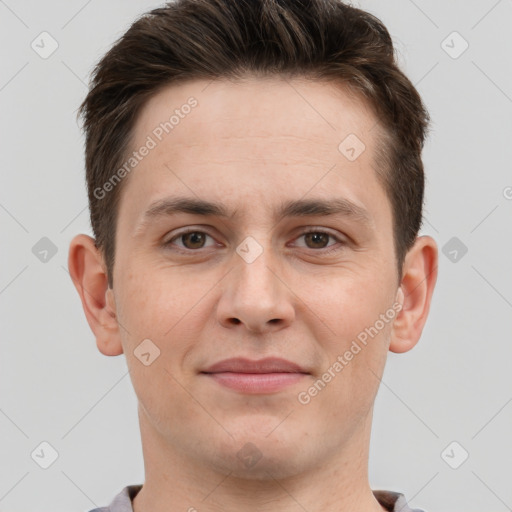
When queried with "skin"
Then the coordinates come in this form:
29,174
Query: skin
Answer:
252,145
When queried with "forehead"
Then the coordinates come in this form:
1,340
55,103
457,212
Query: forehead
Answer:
327,111
279,138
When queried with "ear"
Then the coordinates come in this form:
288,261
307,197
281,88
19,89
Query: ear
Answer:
88,272
415,294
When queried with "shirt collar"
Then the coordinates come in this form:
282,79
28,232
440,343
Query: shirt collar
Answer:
391,501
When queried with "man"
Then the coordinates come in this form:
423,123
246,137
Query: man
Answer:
256,187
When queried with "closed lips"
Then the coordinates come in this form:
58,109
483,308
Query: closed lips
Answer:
243,365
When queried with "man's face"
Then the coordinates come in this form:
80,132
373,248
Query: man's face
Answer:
254,147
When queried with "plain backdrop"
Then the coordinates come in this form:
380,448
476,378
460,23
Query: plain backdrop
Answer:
443,415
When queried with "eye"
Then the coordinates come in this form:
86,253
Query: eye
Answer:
319,239
194,239
191,239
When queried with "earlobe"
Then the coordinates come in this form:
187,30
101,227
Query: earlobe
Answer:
415,294
87,270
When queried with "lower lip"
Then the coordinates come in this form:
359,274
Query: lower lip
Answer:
256,382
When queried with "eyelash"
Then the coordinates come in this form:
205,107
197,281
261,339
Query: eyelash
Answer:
307,231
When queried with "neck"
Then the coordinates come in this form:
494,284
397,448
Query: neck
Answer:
176,481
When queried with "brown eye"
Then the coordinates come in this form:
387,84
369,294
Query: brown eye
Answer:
322,242
193,240
318,240
190,240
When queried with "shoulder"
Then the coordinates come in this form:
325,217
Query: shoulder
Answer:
394,501
122,502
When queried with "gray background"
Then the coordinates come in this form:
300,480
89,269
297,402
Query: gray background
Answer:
454,386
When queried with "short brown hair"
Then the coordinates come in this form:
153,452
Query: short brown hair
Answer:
214,39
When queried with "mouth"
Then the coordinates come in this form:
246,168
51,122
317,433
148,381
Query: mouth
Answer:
255,377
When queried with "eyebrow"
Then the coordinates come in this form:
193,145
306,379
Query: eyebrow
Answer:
294,208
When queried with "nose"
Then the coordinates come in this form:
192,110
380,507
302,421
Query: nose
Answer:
255,295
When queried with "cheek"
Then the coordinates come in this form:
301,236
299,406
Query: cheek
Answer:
167,306
156,301
162,310
346,302
354,333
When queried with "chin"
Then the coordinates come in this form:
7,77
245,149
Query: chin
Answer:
261,452
251,463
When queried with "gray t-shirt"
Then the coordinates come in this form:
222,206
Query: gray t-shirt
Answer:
391,501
